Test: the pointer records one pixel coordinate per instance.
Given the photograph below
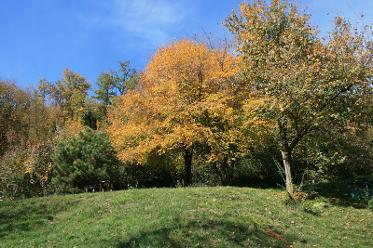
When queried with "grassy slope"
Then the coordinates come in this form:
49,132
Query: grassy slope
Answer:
192,217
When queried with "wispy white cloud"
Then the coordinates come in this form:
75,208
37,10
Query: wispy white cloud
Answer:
151,20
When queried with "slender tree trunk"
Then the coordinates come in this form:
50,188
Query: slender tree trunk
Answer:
226,171
286,157
188,156
220,174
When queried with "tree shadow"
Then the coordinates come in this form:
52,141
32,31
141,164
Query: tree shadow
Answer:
345,193
19,216
207,233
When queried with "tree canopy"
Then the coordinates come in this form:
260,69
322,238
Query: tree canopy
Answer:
309,84
276,100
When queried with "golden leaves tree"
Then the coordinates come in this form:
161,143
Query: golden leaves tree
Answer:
180,106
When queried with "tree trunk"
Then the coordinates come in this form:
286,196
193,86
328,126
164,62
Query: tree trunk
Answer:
188,155
286,157
220,174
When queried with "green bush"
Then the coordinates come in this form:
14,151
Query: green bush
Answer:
334,156
86,162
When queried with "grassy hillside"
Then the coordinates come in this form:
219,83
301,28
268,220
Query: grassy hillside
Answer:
191,217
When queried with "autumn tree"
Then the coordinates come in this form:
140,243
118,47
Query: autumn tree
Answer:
307,84
26,132
175,106
71,94
24,118
15,105
68,99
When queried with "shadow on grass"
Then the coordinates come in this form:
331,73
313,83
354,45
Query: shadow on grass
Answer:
347,193
207,233
25,215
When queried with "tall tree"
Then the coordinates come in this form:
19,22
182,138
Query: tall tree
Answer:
71,93
125,78
308,84
106,83
114,83
68,99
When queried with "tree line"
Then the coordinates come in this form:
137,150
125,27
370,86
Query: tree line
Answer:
279,103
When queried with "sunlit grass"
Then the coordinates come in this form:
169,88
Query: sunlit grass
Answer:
183,217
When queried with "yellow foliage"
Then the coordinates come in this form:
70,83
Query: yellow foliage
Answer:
183,100
71,128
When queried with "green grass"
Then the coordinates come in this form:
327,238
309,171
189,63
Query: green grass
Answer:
182,217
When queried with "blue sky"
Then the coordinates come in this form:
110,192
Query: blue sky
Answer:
39,38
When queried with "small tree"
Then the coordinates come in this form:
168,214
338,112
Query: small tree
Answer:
85,162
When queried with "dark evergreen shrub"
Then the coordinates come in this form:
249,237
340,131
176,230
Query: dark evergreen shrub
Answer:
86,162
